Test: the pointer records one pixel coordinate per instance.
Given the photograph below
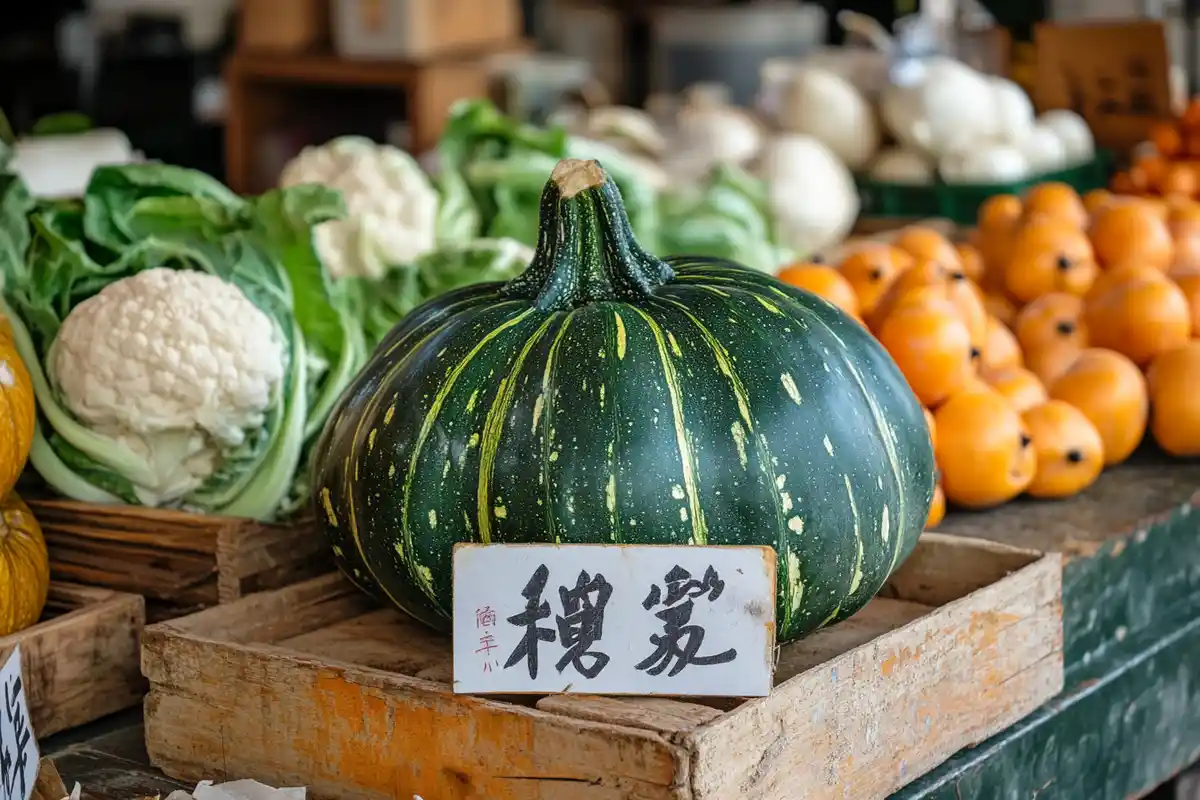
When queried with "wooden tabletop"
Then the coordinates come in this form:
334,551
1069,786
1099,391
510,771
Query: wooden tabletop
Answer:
108,759
1123,499
1131,635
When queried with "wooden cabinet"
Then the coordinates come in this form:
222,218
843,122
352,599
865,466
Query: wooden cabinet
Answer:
266,90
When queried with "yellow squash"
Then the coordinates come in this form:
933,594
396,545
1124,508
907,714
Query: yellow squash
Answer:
17,411
24,567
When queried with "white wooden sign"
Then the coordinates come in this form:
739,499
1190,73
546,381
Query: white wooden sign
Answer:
18,746
614,619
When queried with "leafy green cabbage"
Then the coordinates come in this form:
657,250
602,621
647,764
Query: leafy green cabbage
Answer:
382,304
724,217
504,164
55,255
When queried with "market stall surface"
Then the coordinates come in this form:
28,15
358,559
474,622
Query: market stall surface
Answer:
1132,641
108,759
1131,630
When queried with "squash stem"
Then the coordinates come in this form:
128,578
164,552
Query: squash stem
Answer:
586,249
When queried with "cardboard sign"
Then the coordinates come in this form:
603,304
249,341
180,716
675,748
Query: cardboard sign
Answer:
18,745
1116,75
614,619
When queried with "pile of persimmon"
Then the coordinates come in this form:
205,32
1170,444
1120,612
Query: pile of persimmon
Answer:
1046,345
1168,162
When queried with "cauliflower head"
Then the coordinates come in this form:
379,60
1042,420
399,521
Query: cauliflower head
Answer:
178,366
392,206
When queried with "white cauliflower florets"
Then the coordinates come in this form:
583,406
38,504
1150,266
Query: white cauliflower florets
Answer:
392,207
176,365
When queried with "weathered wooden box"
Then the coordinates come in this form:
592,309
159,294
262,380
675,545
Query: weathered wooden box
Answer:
81,662
315,685
179,562
1131,641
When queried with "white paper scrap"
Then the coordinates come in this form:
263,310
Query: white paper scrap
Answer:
245,790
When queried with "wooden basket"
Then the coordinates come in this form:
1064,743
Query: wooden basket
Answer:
179,562
314,685
81,662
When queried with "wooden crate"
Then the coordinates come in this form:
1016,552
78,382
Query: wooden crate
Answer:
179,562
404,30
1130,559
282,26
314,685
1131,641
81,662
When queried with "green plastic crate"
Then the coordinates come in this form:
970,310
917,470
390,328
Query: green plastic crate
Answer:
960,202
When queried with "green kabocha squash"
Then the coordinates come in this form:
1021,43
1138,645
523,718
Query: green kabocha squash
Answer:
605,395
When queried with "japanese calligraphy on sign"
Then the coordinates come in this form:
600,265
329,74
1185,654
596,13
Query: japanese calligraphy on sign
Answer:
18,747
608,619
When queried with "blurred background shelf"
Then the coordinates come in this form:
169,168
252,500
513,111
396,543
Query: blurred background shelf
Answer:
279,102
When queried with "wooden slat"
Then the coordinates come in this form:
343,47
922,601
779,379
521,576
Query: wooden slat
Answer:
49,784
270,617
1138,495
881,616
944,568
347,732
81,664
382,639
164,529
171,576
253,557
179,561
657,714
329,69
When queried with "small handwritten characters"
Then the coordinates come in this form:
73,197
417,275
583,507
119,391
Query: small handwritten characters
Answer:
485,618
680,641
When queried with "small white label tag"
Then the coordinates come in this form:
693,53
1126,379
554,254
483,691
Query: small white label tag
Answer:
614,619
18,744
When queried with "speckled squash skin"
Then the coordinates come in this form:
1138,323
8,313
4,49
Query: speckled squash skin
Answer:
607,396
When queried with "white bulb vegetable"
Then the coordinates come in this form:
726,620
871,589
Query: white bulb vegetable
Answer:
823,104
1014,111
1074,132
902,166
811,193
1044,150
